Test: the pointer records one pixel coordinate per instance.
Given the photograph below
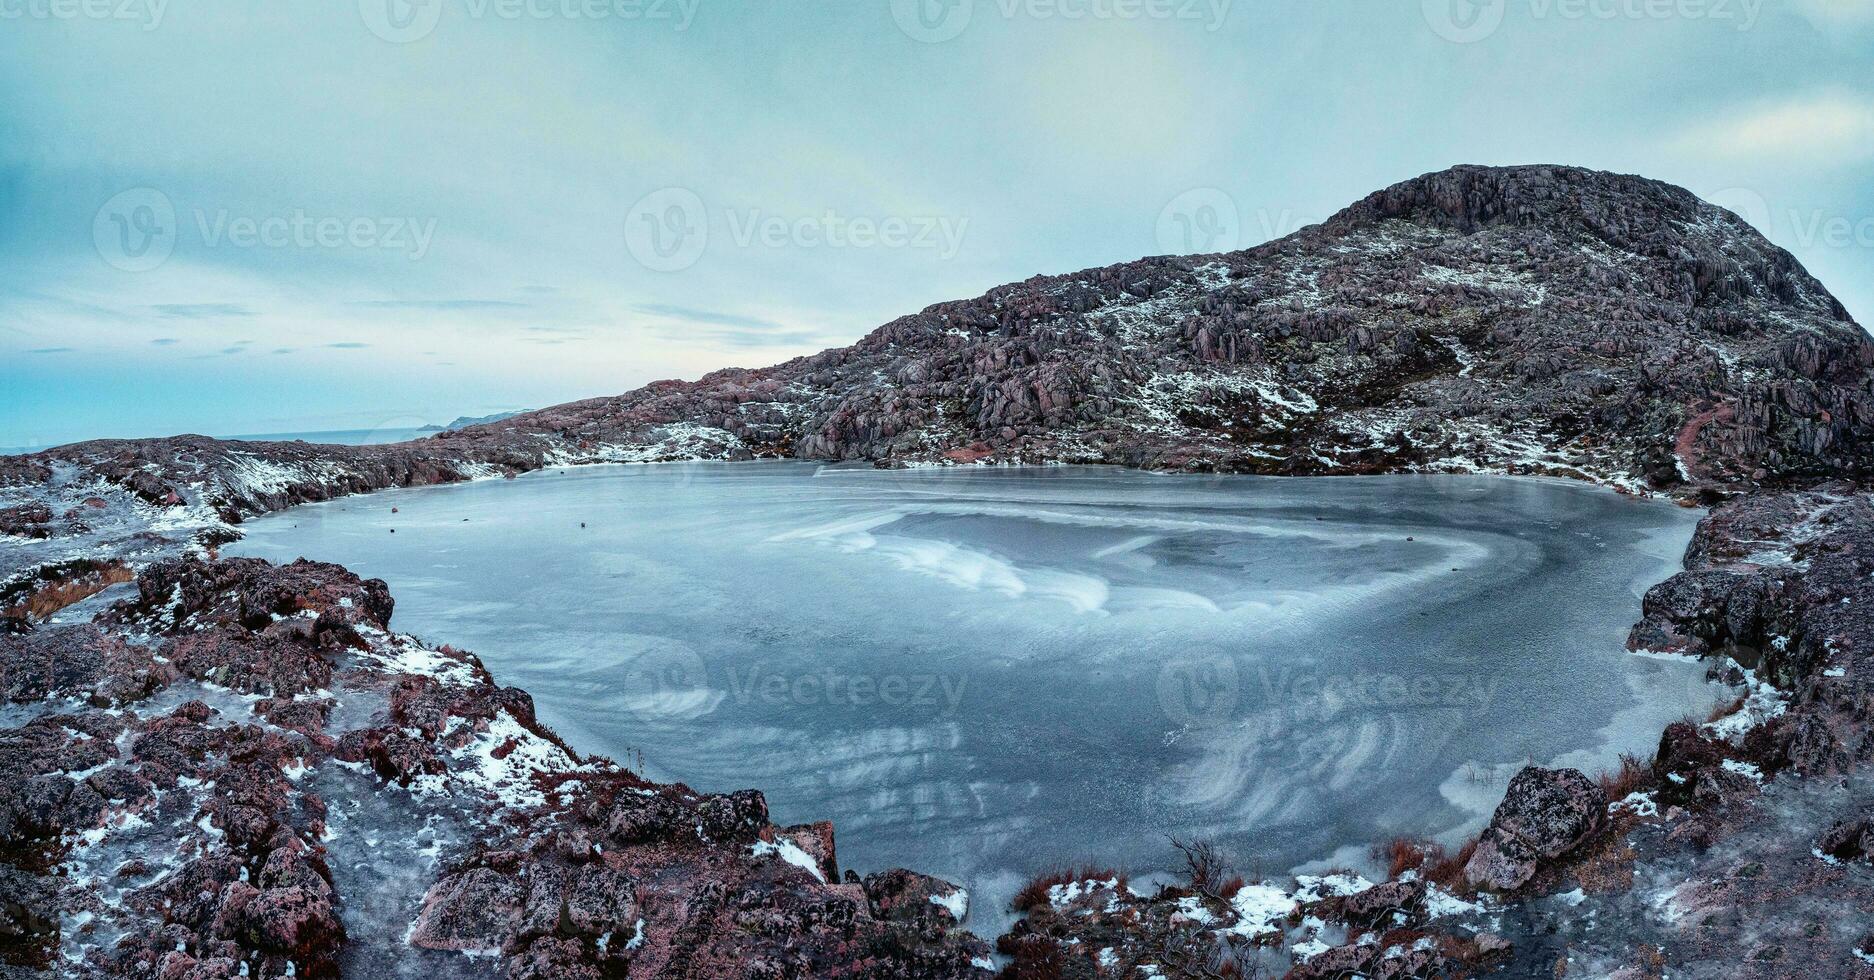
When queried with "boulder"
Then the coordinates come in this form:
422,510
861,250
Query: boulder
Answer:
906,896
1545,814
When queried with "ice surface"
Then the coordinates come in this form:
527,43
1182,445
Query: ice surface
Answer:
983,673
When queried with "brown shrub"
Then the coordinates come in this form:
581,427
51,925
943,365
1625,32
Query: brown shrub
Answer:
1403,854
1447,871
1631,776
1035,894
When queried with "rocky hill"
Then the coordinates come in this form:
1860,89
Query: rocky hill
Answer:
1522,319
1538,318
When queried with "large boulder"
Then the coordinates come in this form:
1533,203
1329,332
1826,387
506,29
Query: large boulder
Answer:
1545,814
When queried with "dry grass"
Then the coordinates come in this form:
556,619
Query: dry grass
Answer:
1432,861
1607,870
1447,870
1035,894
60,593
1404,854
1631,776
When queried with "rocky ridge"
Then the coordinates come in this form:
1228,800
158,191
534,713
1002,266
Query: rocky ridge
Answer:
217,718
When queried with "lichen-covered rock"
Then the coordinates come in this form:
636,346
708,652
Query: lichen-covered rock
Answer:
1381,904
1545,814
900,895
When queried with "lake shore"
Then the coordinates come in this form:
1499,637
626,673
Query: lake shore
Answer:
215,618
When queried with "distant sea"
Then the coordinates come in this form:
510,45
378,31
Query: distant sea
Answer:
342,437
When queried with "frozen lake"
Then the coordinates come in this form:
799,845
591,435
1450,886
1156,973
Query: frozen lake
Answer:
983,673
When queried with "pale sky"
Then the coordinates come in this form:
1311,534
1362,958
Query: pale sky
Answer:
291,215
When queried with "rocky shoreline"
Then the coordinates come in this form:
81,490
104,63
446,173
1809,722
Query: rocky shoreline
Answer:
222,767
187,750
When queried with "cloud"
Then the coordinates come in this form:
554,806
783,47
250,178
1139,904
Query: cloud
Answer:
164,342
441,304
706,316
201,311
50,350
282,350
348,345
1829,15
1835,127
703,335
731,330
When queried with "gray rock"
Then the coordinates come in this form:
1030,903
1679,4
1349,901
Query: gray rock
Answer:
1545,814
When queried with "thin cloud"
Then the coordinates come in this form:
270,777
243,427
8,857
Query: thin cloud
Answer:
164,342
50,350
201,311
707,316
348,345
742,339
440,304
1835,127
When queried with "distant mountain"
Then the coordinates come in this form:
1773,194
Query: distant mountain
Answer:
466,421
